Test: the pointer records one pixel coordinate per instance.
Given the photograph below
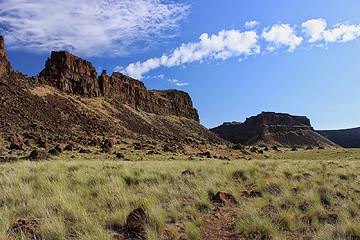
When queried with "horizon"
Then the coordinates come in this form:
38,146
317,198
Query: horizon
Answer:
306,53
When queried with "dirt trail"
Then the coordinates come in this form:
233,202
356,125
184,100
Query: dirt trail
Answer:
220,224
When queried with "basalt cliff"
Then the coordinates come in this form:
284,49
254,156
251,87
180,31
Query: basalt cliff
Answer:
68,100
347,138
274,129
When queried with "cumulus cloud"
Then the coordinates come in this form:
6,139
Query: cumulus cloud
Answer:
282,35
89,27
314,29
317,31
251,24
224,45
240,44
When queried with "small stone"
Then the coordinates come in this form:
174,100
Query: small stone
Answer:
222,198
188,172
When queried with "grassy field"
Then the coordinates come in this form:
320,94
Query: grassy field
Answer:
314,194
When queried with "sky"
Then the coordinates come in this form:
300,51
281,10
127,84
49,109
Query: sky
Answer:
236,58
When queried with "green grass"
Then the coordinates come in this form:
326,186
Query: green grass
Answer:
77,197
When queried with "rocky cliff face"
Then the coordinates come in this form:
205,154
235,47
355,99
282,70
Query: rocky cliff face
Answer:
74,75
113,106
270,128
5,66
347,138
70,74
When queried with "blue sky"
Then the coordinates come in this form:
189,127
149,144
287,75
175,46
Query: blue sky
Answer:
299,57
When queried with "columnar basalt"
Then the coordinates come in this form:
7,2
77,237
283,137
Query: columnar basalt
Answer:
74,75
70,74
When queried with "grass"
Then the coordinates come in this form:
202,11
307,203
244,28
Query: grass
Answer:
78,196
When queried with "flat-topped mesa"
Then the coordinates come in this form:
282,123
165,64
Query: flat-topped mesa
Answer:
271,128
74,75
274,120
71,74
5,66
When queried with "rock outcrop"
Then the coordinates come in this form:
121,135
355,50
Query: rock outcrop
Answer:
5,66
347,138
69,103
70,74
74,75
269,128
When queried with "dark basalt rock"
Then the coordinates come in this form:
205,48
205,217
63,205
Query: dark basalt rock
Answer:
347,138
269,128
114,106
70,74
74,75
5,66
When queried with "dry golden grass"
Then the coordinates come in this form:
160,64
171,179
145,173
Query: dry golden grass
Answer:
76,196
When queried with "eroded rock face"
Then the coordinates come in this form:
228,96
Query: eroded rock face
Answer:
126,90
347,138
271,128
74,75
124,109
5,66
70,74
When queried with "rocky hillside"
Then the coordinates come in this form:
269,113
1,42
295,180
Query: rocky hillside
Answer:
270,128
348,138
69,101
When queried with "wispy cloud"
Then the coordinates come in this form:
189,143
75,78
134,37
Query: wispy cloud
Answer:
177,83
89,27
181,84
241,44
251,24
159,76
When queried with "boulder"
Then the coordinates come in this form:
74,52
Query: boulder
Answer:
43,142
120,155
69,147
57,150
37,154
17,142
107,145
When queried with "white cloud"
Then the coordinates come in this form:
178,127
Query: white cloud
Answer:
314,29
159,76
342,33
282,35
89,27
224,45
317,31
173,80
182,84
251,24
236,44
